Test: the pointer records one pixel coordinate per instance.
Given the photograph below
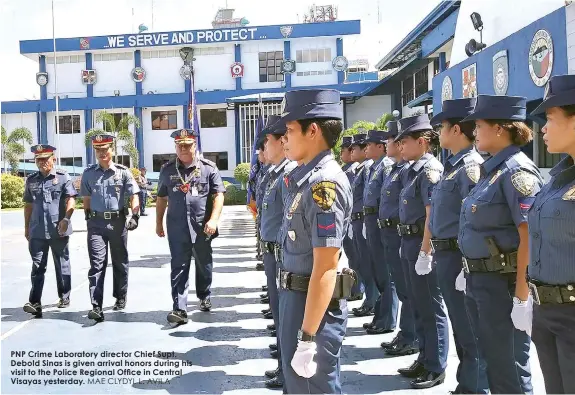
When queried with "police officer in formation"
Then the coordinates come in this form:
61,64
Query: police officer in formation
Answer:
312,294
261,181
194,188
461,173
105,188
552,244
387,304
49,205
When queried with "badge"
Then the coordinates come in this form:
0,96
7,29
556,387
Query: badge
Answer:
295,203
495,177
55,181
291,234
388,170
185,188
194,191
500,73
323,193
288,66
473,208
541,57
451,175
433,175
523,182
175,189
570,194
174,177
404,201
394,177
446,89
473,172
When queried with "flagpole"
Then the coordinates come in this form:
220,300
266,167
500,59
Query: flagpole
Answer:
59,156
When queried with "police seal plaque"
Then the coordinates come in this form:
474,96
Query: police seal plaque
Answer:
340,63
446,89
500,73
541,57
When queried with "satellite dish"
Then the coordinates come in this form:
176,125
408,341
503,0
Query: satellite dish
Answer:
244,22
142,28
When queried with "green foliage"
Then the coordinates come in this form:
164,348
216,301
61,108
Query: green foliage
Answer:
234,195
135,172
242,173
381,123
12,191
357,127
226,184
120,131
13,146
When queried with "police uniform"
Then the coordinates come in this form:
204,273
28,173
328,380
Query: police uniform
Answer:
260,186
459,177
359,236
318,208
488,239
387,305
551,264
406,340
190,192
108,190
430,318
48,195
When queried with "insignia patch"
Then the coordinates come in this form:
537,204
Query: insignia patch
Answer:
295,203
375,175
323,194
523,182
326,225
388,170
55,181
495,177
291,235
525,204
473,208
473,171
570,194
433,175
394,177
451,175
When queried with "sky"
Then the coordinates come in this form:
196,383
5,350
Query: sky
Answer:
384,23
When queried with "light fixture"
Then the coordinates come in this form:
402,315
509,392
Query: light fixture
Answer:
473,46
395,114
116,93
187,54
477,22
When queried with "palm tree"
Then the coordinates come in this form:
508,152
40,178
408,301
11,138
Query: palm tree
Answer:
382,121
120,131
12,149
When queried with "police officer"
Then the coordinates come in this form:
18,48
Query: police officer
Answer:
387,305
105,187
143,184
313,309
551,241
49,204
357,225
195,190
261,181
417,140
349,248
271,220
405,342
462,169
493,238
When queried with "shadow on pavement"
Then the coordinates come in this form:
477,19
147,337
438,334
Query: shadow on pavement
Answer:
227,301
225,316
222,333
221,355
233,269
359,383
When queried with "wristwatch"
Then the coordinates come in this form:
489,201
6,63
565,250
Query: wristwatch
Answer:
518,301
423,254
305,337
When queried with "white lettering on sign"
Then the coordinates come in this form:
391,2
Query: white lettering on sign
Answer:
200,36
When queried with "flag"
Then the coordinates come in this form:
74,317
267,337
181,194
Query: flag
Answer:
193,113
255,164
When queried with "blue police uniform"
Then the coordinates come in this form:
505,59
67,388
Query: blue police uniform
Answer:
387,305
108,190
189,191
406,340
461,172
359,238
318,208
551,265
488,239
260,185
48,195
420,178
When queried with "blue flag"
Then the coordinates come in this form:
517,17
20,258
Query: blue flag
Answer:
255,163
193,114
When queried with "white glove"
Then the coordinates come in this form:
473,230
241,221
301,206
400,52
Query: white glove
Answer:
423,265
522,315
364,232
461,282
400,251
302,361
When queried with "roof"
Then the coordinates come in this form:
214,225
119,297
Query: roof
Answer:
411,44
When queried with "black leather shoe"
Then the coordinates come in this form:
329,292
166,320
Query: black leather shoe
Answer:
400,349
264,295
205,304
355,297
274,382
179,317
271,327
33,308
363,312
374,330
63,303
268,315
120,304
273,347
96,314
260,266
264,288
265,300
415,370
427,380
272,373
265,311
274,354
367,325
390,344
273,334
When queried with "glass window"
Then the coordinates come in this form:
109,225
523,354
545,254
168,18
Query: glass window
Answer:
164,120
327,54
262,56
154,54
213,118
321,55
97,56
313,55
71,161
122,160
158,160
270,66
219,158
68,124
305,56
105,57
298,56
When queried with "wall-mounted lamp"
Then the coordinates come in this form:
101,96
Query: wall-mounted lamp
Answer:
395,114
473,46
116,93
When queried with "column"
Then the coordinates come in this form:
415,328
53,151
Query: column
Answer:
287,56
339,52
238,58
88,113
138,112
43,129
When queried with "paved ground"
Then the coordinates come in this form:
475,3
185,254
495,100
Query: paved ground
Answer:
226,350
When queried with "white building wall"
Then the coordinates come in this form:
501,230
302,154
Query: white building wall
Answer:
158,141
71,145
69,79
570,11
308,80
368,108
220,139
213,71
162,75
250,51
112,76
26,120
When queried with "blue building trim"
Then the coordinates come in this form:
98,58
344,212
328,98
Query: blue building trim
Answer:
339,52
421,100
38,127
42,131
87,126
178,38
238,58
139,136
442,33
237,134
89,87
287,56
138,63
442,62
187,89
42,67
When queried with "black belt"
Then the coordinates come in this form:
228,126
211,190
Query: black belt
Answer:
296,282
108,214
357,216
502,263
388,223
268,246
410,229
552,294
444,245
370,210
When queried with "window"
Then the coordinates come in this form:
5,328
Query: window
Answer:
219,158
122,159
313,55
421,82
106,57
407,94
158,160
72,161
318,72
213,118
270,66
436,66
117,119
68,124
164,120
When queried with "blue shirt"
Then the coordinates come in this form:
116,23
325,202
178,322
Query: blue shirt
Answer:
459,177
189,210
108,189
552,228
498,204
261,184
48,197
349,170
390,190
373,180
318,209
359,185
419,180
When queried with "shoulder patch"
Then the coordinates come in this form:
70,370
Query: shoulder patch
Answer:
473,171
207,162
61,171
91,167
570,194
324,194
523,182
432,174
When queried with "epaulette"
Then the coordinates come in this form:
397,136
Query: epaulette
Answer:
61,171
91,167
119,166
208,162
32,175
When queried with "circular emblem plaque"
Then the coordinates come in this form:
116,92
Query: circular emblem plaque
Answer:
237,70
340,63
41,78
138,74
446,89
186,72
541,57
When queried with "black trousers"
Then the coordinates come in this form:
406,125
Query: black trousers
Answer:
39,253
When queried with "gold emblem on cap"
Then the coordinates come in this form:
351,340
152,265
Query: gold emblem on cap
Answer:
183,133
39,148
99,138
